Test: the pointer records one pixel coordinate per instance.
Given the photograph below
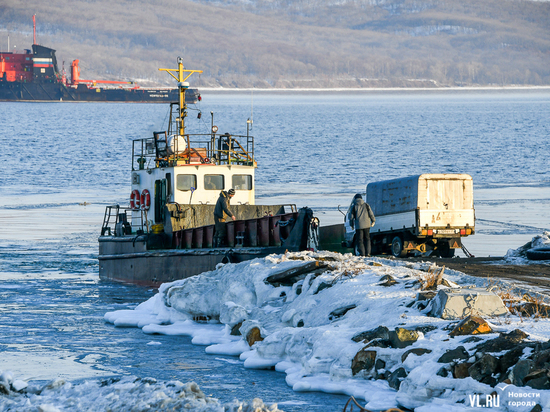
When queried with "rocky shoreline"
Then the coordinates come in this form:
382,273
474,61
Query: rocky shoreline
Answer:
397,333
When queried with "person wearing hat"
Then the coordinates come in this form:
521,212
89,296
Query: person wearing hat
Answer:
362,219
222,212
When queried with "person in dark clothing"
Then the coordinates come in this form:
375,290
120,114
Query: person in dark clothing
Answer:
222,212
362,219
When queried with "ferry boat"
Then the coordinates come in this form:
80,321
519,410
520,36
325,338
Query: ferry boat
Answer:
33,75
166,231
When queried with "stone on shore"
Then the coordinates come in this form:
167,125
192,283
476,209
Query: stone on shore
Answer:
254,335
363,360
459,353
381,332
472,325
401,337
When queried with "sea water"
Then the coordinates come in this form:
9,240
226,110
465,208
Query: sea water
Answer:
62,163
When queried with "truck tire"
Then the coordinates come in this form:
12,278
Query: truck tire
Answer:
397,248
445,251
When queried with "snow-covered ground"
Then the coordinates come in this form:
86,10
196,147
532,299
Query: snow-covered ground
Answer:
307,328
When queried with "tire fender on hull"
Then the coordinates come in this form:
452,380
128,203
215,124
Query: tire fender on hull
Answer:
540,253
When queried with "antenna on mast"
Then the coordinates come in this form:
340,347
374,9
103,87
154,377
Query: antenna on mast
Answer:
251,109
34,28
178,74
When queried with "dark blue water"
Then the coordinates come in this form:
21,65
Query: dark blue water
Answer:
62,163
53,326
340,141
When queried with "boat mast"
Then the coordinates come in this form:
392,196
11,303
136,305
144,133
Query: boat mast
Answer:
34,28
182,87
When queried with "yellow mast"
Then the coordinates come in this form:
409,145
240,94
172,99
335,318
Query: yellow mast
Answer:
182,86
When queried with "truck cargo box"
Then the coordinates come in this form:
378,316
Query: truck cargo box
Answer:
423,212
426,191
435,200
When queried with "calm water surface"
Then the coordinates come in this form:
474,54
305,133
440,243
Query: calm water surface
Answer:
62,163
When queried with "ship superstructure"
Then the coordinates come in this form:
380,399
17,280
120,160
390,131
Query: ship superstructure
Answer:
166,232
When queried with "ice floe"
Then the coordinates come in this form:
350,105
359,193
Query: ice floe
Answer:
519,255
116,394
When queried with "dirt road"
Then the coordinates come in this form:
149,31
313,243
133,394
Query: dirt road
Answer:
490,267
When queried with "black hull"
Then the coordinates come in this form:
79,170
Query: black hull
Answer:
123,259
50,92
135,259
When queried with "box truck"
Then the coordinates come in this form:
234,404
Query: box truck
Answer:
428,212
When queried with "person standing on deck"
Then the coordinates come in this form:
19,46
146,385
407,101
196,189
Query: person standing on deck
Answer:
362,219
222,212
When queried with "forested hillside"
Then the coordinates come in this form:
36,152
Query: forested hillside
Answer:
304,43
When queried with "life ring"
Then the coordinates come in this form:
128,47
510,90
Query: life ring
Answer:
145,199
135,200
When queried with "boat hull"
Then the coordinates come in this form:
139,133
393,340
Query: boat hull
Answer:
55,92
145,259
126,260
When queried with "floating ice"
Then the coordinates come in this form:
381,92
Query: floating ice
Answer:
126,394
518,256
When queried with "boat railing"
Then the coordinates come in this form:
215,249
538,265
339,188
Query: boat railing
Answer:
163,150
119,221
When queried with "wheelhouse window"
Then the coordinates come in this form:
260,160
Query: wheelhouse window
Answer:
242,182
213,182
186,182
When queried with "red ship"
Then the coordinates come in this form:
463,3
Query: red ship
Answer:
33,75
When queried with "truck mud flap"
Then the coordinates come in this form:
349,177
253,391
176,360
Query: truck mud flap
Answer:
455,243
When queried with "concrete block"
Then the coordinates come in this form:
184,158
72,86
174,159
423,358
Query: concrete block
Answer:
459,303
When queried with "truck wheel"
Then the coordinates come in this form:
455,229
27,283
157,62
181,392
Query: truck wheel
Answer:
445,251
397,248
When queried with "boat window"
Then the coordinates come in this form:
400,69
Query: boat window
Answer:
213,182
242,182
186,182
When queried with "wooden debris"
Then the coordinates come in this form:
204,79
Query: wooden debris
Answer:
434,278
290,276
